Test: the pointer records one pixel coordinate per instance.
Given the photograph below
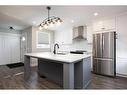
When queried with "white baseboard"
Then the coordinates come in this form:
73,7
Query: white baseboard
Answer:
121,75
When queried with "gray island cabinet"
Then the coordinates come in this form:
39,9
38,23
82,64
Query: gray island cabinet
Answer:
71,71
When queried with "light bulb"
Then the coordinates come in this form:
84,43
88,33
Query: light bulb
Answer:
23,39
58,22
51,24
40,27
45,26
96,14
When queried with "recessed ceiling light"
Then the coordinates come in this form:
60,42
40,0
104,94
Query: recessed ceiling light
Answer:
34,22
96,14
72,21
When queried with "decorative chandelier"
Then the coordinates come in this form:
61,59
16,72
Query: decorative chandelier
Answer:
50,20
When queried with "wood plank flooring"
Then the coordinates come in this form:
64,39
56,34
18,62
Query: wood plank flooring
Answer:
14,79
104,82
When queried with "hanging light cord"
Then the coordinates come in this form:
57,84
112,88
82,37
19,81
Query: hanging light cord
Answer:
49,8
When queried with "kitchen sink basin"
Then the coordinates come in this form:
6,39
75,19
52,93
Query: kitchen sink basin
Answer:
61,53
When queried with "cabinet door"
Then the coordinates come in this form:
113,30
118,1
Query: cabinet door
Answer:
109,24
89,34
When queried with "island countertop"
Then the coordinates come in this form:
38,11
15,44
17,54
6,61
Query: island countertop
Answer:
69,58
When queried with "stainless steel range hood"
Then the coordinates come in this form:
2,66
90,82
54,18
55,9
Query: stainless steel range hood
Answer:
79,32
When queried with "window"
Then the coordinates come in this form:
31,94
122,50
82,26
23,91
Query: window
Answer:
43,39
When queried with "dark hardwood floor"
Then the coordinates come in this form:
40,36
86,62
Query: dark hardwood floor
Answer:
104,82
14,79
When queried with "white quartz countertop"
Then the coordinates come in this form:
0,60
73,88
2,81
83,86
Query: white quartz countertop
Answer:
59,57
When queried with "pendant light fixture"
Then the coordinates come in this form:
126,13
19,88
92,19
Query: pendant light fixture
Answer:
50,20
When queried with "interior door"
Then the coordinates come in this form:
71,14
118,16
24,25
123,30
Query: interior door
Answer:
7,49
15,49
97,45
1,50
108,45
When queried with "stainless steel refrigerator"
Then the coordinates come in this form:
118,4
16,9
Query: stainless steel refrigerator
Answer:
104,53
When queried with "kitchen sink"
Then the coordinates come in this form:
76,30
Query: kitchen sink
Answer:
61,53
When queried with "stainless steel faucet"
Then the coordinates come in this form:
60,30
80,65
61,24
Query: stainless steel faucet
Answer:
55,48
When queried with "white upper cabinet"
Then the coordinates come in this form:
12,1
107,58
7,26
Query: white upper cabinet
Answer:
104,25
89,34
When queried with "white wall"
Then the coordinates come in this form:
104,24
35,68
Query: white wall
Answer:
10,31
121,28
30,35
64,38
76,45
26,46
29,45
27,33
34,40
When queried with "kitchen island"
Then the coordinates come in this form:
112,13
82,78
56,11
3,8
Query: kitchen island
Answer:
69,70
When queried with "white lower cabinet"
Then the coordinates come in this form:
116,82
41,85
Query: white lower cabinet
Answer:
89,34
9,49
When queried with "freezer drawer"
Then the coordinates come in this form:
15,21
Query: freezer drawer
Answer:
104,66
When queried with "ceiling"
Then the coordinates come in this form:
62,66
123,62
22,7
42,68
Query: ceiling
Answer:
21,17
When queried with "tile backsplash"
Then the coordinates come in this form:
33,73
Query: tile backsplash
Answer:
78,44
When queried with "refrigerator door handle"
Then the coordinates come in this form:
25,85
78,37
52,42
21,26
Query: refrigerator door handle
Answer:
103,43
